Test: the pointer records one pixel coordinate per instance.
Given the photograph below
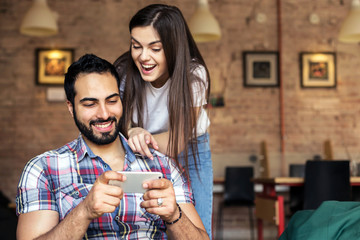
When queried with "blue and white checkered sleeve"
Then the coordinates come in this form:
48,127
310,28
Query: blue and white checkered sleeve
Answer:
34,189
181,185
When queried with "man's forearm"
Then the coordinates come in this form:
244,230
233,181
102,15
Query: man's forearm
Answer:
185,229
73,226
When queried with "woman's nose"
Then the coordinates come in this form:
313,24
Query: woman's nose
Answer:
144,55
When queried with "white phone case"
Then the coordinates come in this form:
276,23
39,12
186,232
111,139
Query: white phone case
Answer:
135,180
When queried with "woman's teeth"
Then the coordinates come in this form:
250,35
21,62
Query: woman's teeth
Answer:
148,67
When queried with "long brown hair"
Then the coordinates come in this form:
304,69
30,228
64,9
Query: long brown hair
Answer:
183,57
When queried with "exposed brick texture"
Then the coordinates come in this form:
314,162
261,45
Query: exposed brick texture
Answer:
32,125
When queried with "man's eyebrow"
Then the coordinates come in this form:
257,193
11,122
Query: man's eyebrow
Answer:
113,95
96,100
89,99
151,43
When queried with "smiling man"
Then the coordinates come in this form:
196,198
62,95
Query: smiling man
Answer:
64,193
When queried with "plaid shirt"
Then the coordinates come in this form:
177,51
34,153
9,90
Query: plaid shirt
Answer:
59,180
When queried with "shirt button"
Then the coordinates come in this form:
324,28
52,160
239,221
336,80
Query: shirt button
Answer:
77,193
105,166
117,218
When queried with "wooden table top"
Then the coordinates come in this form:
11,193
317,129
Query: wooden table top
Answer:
283,180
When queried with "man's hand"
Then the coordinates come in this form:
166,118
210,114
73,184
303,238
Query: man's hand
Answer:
104,198
140,140
44,224
161,188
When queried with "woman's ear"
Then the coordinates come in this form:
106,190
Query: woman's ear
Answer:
70,108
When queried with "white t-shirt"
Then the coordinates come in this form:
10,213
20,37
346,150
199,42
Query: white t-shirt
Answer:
156,114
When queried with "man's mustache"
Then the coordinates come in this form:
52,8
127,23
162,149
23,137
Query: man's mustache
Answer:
103,120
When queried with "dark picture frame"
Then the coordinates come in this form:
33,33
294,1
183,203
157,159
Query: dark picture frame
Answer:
318,69
52,64
261,69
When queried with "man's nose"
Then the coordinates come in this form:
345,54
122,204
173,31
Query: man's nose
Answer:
103,112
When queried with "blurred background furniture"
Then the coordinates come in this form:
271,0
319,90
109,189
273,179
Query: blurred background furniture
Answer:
264,170
326,180
8,219
239,192
274,211
296,194
355,190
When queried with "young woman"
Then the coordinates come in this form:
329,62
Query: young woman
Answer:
165,86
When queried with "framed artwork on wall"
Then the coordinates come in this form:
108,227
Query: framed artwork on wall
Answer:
318,70
261,69
52,64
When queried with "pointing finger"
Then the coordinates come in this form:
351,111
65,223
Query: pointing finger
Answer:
110,175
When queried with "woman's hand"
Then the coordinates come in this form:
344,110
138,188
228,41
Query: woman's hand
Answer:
140,140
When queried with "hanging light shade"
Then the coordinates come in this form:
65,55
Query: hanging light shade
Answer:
350,29
203,25
39,20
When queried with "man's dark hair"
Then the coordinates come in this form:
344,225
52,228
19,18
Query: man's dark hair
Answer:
89,63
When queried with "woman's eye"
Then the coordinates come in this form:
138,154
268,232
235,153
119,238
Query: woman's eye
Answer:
156,49
136,47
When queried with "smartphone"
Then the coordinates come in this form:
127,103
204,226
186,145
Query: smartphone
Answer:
135,180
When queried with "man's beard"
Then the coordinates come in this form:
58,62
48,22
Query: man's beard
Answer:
88,132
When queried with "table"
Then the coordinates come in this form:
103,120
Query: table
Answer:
270,206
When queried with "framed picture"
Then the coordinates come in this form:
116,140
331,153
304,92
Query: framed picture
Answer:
261,69
52,64
318,70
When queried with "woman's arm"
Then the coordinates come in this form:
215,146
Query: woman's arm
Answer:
140,140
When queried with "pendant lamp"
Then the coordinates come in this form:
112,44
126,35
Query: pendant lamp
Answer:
350,29
203,25
39,20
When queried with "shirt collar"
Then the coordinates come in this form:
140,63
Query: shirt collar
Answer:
82,149
129,154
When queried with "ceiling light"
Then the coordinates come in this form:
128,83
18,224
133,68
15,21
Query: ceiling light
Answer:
350,29
39,20
203,25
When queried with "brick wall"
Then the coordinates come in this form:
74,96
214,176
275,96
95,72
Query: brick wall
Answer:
32,125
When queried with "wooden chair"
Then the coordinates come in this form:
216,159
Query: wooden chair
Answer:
264,160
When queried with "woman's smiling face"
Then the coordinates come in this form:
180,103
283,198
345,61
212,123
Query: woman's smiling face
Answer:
148,54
